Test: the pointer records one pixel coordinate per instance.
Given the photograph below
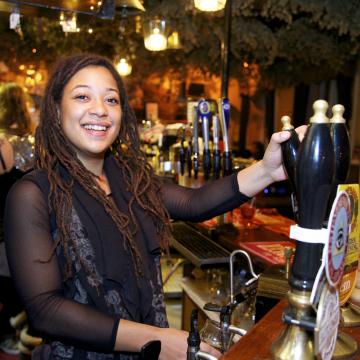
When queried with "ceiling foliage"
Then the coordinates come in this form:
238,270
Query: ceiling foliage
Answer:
291,41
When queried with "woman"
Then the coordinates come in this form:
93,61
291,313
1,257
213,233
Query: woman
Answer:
84,231
16,158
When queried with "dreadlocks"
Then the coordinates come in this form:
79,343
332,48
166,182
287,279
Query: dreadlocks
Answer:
53,149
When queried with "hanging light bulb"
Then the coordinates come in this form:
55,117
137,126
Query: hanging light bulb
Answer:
123,67
155,38
209,5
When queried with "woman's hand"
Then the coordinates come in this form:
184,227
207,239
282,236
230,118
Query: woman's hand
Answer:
255,178
131,336
174,345
272,159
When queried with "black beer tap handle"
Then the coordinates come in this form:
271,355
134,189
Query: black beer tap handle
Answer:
151,350
189,159
227,166
182,158
217,164
193,339
207,163
196,166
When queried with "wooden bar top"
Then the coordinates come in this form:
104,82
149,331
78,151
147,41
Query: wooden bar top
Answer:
256,344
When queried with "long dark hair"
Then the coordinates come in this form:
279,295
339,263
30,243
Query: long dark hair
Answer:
14,114
53,149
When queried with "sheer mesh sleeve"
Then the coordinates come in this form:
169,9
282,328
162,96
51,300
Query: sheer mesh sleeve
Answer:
39,284
212,199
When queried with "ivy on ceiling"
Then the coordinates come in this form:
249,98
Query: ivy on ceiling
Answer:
290,41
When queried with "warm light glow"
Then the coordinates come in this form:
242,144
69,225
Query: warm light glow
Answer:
209,5
90,31
123,67
174,41
68,22
38,77
155,38
91,7
22,67
155,42
34,51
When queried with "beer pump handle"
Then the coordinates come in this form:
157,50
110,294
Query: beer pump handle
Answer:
204,113
289,149
342,152
224,112
314,177
341,142
216,151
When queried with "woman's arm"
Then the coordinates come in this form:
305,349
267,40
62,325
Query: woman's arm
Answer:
38,280
225,194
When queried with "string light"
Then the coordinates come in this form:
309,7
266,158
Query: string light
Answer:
209,5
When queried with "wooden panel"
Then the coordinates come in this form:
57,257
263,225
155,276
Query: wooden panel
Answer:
187,306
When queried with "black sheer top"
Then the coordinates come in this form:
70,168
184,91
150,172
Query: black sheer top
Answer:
55,307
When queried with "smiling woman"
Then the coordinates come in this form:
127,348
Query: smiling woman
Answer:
84,231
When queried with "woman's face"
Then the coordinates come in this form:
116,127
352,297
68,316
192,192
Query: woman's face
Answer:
90,112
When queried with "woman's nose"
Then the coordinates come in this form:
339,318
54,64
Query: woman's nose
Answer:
99,108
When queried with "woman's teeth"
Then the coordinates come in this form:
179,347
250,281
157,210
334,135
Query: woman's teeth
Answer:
95,127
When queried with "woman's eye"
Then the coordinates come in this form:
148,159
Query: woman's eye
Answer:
114,101
81,97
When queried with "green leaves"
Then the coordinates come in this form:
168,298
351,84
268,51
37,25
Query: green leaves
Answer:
290,40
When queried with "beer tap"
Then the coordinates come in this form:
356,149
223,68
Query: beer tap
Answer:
204,112
193,340
289,149
224,112
182,150
342,152
196,146
188,158
225,323
216,150
314,177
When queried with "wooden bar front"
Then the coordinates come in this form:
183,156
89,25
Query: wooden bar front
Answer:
256,344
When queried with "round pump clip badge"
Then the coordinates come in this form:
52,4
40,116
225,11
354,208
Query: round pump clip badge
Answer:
327,323
339,223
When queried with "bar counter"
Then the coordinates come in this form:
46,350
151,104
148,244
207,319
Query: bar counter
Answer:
256,344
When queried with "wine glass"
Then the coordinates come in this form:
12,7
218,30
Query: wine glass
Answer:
217,286
211,334
247,211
